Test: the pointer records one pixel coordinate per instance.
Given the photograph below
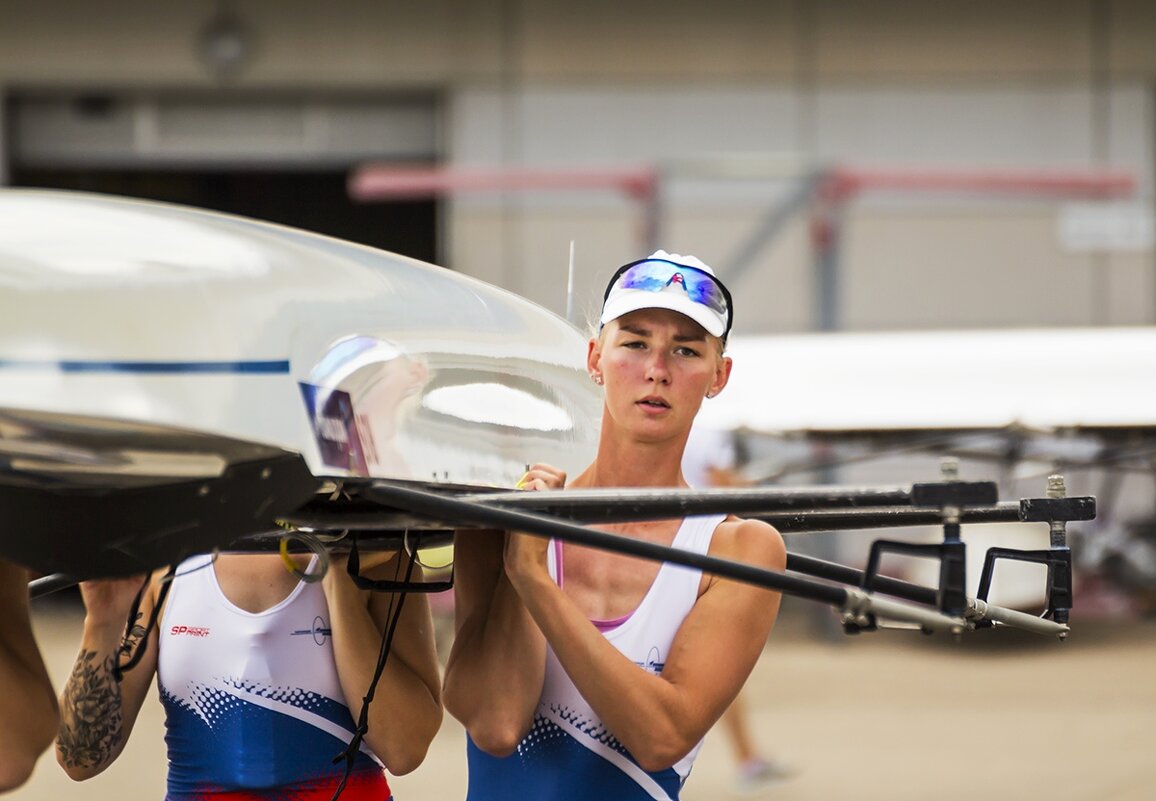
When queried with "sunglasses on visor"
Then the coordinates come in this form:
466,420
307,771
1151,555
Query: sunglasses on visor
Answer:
655,275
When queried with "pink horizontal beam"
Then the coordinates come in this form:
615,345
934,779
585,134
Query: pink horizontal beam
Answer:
386,182
844,183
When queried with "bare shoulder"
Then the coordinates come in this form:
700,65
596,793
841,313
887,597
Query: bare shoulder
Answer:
751,541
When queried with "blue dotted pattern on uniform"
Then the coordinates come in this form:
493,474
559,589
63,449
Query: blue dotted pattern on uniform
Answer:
221,740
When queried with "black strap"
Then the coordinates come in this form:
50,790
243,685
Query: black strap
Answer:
118,670
353,567
394,614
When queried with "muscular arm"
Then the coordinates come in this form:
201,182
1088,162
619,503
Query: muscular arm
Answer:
97,713
406,711
27,706
660,718
497,664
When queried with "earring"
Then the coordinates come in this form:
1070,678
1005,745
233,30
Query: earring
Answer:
710,394
597,379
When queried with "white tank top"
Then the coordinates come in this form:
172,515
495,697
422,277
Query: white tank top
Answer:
252,699
569,753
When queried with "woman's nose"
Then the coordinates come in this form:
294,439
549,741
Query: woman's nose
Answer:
657,369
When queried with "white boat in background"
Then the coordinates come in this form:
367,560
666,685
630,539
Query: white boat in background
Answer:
856,407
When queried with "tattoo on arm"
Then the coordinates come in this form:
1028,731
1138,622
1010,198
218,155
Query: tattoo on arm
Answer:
133,639
90,723
91,718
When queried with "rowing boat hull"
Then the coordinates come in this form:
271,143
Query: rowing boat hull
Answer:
121,313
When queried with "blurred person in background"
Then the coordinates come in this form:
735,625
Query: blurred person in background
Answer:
710,460
581,673
262,675
28,713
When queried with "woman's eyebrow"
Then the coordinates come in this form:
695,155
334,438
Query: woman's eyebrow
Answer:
634,328
642,331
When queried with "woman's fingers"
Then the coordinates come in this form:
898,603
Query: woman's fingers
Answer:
540,477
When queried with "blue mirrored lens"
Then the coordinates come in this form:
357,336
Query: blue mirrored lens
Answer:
656,275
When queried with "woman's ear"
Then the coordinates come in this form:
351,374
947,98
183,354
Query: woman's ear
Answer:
593,358
722,375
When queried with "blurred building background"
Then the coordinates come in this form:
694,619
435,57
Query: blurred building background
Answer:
861,166
996,157
892,165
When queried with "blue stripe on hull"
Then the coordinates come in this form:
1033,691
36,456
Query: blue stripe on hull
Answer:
274,366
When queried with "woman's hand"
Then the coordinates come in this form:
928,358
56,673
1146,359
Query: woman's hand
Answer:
525,554
541,477
108,601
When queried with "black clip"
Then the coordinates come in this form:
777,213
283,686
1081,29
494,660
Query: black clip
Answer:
950,497
1055,510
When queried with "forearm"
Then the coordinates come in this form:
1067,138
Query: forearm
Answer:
406,711
92,732
29,712
28,707
495,671
659,718
497,664
497,667
653,718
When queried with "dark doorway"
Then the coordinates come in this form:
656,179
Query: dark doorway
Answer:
314,200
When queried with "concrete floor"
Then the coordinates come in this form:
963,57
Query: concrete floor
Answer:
888,715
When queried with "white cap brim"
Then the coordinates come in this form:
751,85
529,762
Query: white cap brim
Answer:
624,301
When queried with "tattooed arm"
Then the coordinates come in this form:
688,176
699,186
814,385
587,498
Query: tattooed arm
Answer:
97,712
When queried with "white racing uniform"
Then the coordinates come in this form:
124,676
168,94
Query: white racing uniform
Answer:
568,754
253,706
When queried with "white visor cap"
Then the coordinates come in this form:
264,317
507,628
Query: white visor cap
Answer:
621,301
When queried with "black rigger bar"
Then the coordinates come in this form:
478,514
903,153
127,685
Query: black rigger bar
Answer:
351,511
848,575
790,511
377,514
977,610
468,513
856,605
